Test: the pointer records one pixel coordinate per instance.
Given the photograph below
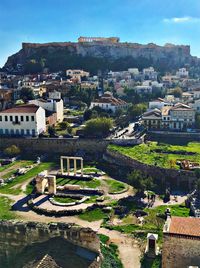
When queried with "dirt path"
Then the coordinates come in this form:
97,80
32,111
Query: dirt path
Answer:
159,202
129,251
7,170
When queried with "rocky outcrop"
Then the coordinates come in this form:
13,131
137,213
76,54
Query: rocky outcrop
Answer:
92,56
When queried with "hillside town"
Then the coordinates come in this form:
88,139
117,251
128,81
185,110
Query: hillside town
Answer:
162,103
112,158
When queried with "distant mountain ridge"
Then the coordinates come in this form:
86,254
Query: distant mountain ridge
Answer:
92,56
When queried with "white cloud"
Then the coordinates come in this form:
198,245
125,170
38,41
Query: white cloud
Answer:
181,19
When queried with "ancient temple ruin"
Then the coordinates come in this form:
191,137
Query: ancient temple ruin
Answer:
44,180
74,159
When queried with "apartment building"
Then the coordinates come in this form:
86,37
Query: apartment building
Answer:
23,120
51,105
108,102
177,117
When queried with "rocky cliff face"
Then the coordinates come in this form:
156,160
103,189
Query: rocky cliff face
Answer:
92,56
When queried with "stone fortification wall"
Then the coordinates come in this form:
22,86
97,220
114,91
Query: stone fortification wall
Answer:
15,236
179,252
91,147
176,178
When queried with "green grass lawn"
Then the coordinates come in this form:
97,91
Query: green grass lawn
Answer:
94,183
2,168
5,205
64,199
22,163
13,188
93,215
148,154
153,222
115,186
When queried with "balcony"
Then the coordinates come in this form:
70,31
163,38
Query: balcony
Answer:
16,123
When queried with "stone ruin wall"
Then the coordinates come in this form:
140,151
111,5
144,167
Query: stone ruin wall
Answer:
15,236
180,252
90,147
176,176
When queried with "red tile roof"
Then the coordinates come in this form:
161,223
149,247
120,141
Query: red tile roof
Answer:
185,226
108,98
30,108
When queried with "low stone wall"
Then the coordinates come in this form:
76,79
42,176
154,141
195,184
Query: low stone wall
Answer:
61,213
17,235
77,202
176,178
176,137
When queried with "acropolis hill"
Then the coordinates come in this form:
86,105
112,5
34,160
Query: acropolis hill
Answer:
93,53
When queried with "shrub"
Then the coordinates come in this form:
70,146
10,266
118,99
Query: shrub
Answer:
98,127
12,150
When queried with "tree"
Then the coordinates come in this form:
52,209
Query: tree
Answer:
26,94
136,110
177,92
12,150
98,127
51,131
63,125
138,181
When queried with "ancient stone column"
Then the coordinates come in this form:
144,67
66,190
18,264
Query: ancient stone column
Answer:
74,167
51,184
68,166
61,165
81,167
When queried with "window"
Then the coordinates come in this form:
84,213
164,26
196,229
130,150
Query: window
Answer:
28,132
32,118
0,117
11,118
6,118
27,118
22,118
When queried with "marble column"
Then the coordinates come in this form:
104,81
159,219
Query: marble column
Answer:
68,166
74,167
81,167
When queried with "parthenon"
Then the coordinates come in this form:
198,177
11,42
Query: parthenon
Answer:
82,39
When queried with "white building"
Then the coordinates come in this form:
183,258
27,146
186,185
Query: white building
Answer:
182,73
196,105
158,104
196,93
55,95
143,89
24,120
51,105
77,74
150,73
108,102
133,71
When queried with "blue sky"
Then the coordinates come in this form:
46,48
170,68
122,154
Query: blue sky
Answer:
142,21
